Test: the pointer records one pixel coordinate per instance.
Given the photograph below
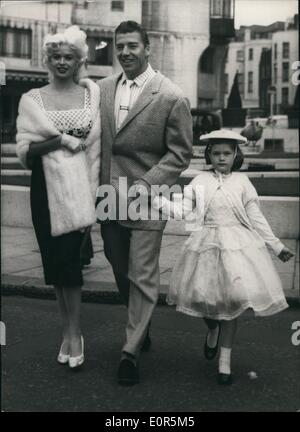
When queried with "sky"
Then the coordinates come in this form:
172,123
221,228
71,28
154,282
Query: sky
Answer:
263,12
247,12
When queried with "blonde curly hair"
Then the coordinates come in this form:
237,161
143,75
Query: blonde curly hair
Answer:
76,40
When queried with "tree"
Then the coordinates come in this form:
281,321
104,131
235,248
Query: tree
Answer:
234,100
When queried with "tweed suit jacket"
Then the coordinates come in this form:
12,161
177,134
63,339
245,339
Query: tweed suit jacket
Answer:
154,144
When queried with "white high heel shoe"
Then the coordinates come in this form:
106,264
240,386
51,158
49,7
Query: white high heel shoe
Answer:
62,358
77,361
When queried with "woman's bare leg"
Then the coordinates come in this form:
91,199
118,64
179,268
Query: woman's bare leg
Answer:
72,296
65,320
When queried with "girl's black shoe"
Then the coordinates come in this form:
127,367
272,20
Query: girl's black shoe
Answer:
210,353
225,379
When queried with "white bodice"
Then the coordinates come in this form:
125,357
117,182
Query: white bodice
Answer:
76,122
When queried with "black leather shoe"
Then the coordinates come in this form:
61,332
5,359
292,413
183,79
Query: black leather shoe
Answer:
146,344
128,373
210,353
225,379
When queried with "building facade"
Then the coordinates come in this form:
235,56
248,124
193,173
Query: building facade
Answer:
22,30
178,37
243,59
211,66
188,44
263,58
285,52
265,80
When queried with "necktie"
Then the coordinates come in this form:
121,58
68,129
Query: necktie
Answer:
124,102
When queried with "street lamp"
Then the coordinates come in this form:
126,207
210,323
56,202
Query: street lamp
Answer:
272,93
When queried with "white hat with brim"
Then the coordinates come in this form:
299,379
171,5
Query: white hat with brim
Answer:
223,134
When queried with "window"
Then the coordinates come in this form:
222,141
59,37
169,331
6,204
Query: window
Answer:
221,8
80,4
100,51
117,6
216,8
240,56
15,42
250,54
286,50
275,51
285,96
227,9
146,14
151,13
250,82
285,71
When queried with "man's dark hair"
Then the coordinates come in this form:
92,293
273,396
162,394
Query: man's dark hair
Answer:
239,158
130,27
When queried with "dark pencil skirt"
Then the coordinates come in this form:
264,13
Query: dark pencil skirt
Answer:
60,255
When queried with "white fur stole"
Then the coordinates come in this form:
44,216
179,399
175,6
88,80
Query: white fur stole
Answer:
71,179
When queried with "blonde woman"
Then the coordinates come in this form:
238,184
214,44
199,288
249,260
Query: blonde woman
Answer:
58,138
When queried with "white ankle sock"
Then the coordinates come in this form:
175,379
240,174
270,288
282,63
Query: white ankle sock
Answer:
212,337
224,360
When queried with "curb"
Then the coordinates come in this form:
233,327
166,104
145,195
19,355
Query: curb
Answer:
102,292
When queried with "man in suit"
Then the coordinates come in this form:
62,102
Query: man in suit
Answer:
146,138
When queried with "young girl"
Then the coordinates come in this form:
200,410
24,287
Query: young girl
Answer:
225,267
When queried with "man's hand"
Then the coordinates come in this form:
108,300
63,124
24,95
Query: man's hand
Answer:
140,188
285,254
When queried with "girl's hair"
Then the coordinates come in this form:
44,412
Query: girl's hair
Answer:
238,159
76,40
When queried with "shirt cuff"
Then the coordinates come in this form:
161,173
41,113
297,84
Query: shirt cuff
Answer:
277,246
161,203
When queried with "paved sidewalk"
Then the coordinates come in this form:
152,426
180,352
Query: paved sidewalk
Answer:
175,377
22,271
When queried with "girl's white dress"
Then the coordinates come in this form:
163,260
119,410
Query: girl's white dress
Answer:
225,267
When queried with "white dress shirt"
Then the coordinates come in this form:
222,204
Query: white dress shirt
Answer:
128,92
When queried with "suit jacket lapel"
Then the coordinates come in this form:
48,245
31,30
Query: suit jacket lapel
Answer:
144,99
110,103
